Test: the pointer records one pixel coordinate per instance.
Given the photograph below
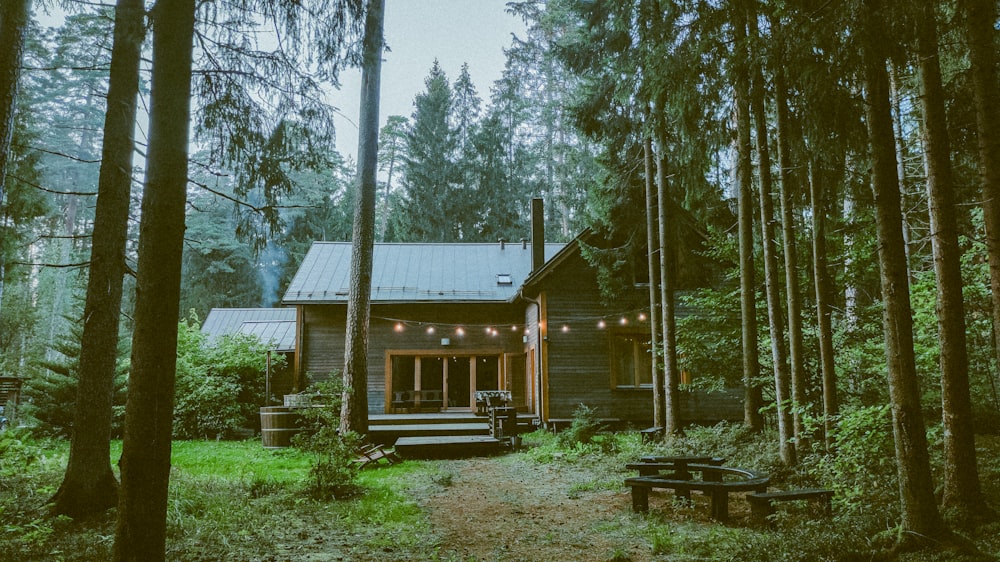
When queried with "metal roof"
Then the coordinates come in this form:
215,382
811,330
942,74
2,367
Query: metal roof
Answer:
416,272
279,336
224,321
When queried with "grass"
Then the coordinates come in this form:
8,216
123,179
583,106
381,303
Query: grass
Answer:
238,501
228,500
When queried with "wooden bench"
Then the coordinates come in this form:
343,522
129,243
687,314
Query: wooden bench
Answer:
651,434
417,400
713,483
762,503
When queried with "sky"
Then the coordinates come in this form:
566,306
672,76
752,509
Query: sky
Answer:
417,32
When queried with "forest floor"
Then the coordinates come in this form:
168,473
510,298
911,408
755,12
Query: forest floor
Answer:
510,509
236,501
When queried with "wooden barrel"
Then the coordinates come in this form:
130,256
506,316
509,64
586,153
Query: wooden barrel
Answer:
277,426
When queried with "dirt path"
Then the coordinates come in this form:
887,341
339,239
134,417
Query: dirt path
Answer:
514,509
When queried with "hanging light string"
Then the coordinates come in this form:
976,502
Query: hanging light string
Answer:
623,318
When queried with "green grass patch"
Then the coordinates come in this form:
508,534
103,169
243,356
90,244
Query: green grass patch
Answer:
239,460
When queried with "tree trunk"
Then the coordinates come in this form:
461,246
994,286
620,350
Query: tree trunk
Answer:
653,260
962,492
89,486
824,303
752,399
354,412
796,353
140,533
14,16
775,314
916,487
980,16
901,155
668,276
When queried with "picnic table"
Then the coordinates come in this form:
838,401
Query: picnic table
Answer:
716,481
650,465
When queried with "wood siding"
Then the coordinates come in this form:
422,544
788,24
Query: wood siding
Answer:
323,334
578,361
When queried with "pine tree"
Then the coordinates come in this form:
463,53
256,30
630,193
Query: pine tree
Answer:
140,532
90,486
429,167
916,489
354,408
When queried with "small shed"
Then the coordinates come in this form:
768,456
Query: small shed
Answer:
275,327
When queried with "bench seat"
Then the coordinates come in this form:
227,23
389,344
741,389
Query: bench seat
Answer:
713,485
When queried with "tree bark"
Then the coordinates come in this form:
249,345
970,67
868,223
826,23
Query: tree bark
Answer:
653,260
89,486
916,488
668,276
14,15
901,155
354,411
775,314
980,16
796,352
962,492
824,303
752,399
140,532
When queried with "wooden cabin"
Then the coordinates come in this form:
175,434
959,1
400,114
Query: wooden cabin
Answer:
448,320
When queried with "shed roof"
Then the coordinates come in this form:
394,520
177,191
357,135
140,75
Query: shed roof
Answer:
279,335
269,324
417,272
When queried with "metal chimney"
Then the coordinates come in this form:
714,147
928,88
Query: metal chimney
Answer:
537,234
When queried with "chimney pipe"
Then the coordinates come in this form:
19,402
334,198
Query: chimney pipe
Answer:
502,243
537,234
524,243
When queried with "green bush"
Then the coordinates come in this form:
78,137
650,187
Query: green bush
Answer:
220,387
333,472
49,405
863,470
583,428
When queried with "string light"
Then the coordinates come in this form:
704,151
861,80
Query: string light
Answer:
400,325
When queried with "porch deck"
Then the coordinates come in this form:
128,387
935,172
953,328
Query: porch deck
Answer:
387,428
436,435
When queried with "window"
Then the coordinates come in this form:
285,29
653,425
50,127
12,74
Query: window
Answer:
631,361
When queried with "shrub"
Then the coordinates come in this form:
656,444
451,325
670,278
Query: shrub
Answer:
220,387
333,471
583,428
50,405
863,470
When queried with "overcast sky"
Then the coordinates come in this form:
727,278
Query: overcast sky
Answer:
417,32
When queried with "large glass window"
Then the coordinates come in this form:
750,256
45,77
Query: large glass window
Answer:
631,360
431,382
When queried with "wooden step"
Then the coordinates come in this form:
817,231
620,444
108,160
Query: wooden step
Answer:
447,446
